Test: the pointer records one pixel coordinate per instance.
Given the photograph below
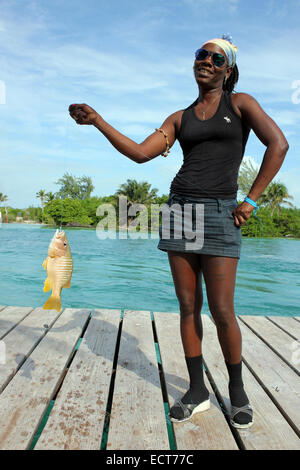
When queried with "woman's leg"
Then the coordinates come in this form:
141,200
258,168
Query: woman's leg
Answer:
187,277
220,275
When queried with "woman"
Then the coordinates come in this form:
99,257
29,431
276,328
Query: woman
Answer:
212,132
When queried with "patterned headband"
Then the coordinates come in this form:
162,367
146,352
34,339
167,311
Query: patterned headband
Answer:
227,46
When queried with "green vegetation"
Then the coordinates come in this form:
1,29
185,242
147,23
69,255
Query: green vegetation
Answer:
75,188
273,219
137,192
73,205
287,223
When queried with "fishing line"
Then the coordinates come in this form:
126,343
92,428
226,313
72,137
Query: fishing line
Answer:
62,198
61,213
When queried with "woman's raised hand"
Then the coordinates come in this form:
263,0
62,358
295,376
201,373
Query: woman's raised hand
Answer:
83,114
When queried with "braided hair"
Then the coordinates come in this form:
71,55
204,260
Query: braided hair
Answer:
232,80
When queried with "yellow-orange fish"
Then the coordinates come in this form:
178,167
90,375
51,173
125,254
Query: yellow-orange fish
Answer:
59,266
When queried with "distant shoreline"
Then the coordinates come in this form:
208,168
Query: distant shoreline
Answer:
78,226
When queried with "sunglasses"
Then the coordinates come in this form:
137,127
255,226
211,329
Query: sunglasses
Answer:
218,59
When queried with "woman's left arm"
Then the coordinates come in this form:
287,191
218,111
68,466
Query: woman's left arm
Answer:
272,137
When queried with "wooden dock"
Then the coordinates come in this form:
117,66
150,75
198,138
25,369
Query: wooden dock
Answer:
104,380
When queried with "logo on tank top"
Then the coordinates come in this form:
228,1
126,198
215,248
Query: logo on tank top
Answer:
227,119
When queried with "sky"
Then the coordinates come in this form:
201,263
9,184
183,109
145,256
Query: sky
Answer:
132,62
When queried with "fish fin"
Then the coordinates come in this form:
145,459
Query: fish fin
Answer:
47,285
68,284
45,263
53,303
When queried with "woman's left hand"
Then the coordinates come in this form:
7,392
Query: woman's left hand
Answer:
242,213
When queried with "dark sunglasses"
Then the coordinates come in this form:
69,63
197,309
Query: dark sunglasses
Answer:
218,59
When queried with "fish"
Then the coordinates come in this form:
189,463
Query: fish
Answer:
59,267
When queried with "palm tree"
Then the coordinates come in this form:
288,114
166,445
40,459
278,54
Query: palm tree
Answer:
4,198
274,195
41,195
137,192
86,187
49,197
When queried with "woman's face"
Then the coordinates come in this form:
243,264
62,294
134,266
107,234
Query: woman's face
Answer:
206,72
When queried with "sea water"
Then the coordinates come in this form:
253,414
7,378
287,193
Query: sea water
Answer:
131,273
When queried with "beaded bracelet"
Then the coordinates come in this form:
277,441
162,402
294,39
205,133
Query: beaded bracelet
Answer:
165,154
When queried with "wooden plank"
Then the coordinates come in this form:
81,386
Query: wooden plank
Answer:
20,341
205,431
289,324
137,419
281,382
10,317
26,398
77,418
270,430
275,338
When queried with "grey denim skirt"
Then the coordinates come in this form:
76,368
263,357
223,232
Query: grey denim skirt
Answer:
200,225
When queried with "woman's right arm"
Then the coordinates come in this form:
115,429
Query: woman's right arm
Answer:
151,147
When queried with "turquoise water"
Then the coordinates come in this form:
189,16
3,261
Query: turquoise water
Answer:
134,274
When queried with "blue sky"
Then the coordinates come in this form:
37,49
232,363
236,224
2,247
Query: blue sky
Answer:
131,61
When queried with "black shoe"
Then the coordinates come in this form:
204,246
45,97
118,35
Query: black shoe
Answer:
184,411
246,409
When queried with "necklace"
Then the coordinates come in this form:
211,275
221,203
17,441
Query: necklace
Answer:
210,105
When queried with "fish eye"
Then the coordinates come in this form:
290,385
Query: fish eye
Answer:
65,244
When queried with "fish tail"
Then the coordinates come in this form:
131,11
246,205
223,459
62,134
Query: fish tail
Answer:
53,303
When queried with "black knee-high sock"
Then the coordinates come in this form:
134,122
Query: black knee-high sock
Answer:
197,391
237,393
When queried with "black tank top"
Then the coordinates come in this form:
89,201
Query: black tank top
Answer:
212,152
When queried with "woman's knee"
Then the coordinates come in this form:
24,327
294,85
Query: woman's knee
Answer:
189,304
224,317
